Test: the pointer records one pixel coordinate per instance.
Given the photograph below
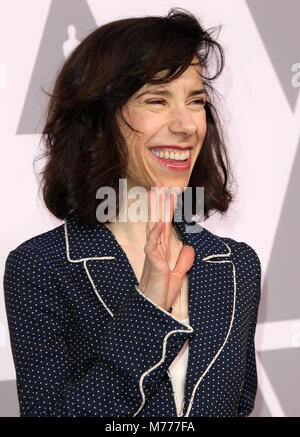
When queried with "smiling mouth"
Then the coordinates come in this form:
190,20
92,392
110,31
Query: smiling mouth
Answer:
172,159
171,154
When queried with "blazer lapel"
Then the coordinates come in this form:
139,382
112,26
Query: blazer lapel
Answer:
210,313
211,303
103,260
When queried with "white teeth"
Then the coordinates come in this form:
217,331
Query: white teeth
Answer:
180,156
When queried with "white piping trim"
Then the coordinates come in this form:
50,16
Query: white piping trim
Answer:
164,311
154,367
84,260
190,330
80,259
218,254
229,330
96,291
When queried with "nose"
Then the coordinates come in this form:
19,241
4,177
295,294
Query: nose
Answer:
182,122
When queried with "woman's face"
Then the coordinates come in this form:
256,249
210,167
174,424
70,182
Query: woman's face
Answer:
171,118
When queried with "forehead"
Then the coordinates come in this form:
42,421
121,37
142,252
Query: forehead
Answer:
192,74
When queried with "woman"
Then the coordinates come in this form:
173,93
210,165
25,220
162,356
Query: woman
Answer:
124,318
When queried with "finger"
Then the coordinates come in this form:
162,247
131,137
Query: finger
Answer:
159,199
150,224
184,261
154,206
154,237
160,195
169,207
162,212
166,221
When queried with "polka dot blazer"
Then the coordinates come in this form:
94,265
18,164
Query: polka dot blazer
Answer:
86,342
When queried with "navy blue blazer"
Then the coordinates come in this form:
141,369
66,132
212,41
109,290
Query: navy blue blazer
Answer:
86,342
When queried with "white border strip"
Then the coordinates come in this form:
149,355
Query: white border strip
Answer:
84,260
206,259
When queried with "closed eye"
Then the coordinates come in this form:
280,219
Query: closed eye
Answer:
198,101
155,101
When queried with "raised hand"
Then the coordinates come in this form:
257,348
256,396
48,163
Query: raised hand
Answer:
161,284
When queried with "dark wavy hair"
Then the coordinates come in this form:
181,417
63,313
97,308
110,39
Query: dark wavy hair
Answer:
84,148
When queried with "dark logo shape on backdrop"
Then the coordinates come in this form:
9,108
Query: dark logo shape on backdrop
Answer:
68,22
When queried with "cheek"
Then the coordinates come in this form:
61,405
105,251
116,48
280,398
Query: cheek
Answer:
149,124
201,133
139,158
202,125
141,141
138,150
205,129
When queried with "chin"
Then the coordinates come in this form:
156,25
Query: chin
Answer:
180,182
174,183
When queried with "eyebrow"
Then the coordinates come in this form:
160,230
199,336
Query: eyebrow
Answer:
167,93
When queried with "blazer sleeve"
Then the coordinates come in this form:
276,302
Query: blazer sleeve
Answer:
117,382
249,390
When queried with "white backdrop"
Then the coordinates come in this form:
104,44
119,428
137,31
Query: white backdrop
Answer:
261,112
